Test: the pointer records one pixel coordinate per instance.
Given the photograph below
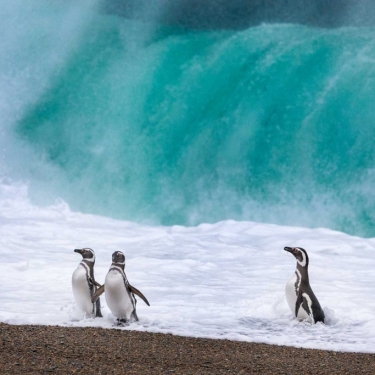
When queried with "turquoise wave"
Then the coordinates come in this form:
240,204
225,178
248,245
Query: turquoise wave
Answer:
157,124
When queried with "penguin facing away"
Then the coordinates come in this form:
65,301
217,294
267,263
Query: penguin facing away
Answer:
84,284
301,299
119,294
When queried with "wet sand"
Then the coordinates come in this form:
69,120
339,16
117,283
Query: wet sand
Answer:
62,350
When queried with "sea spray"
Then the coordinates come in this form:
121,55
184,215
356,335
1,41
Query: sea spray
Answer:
158,124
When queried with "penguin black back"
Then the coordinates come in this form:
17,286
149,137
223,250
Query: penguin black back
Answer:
300,296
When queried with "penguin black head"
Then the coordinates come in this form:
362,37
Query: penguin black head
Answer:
300,255
87,254
118,257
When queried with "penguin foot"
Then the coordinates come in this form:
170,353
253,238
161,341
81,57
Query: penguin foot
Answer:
98,309
122,322
134,316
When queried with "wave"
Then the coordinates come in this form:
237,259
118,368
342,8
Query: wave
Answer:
165,125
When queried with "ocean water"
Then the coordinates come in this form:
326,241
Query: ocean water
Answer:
223,281
200,154
161,125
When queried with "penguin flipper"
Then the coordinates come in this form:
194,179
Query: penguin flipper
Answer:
97,294
307,306
299,302
95,283
139,294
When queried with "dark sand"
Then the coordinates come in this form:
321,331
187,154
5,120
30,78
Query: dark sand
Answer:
61,350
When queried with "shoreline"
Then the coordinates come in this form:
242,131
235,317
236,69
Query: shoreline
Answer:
31,349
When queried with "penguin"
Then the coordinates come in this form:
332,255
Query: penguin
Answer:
119,294
301,299
84,284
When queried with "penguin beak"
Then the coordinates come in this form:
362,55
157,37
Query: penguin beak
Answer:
288,249
78,251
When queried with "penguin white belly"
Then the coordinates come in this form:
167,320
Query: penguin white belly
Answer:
290,292
117,296
81,291
291,297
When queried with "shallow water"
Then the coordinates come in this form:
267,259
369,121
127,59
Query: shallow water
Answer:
224,280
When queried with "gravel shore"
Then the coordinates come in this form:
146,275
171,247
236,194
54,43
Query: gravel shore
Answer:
62,350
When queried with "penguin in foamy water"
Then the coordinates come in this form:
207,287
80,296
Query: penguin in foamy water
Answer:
301,299
119,294
84,284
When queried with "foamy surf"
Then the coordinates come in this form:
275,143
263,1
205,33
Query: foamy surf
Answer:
223,280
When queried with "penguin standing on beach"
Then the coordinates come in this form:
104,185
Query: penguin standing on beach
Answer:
119,294
84,284
301,299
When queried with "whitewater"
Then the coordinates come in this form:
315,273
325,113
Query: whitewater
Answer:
223,280
162,125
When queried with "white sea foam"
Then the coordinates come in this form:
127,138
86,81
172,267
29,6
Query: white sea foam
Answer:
224,280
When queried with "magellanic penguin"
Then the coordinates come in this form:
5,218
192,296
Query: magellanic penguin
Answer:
84,284
301,299
119,294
